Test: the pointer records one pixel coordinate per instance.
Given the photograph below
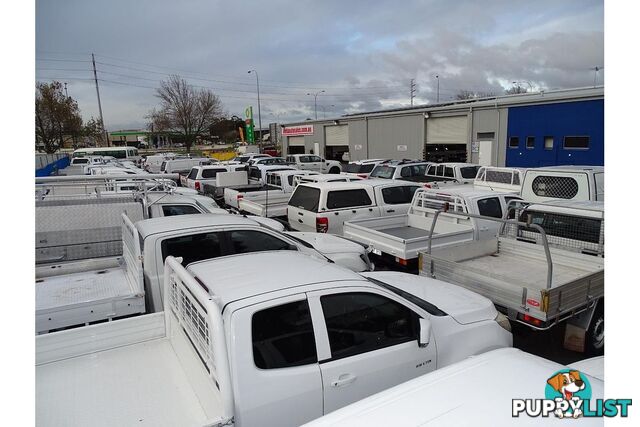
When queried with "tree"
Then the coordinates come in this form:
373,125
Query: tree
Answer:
515,90
468,94
57,117
93,131
184,112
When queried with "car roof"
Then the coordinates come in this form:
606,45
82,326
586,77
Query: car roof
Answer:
147,227
442,397
365,161
467,190
461,164
242,276
571,168
359,184
402,162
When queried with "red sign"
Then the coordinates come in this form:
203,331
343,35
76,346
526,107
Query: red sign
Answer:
533,302
298,130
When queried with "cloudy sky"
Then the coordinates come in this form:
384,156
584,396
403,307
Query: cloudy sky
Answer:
363,54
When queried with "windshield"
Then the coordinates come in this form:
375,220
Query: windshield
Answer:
426,306
383,171
306,198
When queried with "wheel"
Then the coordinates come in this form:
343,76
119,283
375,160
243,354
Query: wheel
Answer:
595,333
334,170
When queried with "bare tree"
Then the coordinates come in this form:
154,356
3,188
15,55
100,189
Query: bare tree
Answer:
185,112
57,117
469,94
515,90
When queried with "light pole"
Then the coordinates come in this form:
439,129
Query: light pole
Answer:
315,102
324,110
438,89
259,114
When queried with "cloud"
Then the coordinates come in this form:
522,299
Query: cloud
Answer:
361,53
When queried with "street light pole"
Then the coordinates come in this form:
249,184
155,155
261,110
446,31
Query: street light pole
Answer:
259,114
315,102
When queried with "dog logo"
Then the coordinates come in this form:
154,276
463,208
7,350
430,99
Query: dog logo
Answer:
571,387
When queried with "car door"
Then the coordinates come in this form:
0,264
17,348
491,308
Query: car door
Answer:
274,357
367,342
396,199
489,207
316,164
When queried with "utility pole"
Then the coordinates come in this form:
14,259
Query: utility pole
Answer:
412,91
95,78
438,90
65,90
595,75
315,102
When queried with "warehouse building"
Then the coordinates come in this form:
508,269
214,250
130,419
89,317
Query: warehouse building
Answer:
558,127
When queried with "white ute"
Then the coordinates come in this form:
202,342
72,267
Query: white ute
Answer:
577,183
234,346
314,163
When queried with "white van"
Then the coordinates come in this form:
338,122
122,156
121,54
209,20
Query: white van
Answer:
183,165
324,207
577,183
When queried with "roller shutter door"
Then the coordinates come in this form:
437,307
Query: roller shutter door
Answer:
447,130
336,135
296,141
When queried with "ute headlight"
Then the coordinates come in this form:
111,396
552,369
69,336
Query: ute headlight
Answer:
503,321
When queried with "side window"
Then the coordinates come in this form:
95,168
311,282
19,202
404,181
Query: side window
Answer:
360,322
398,195
193,248
245,241
511,206
347,199
440,171
490,207
193,174
315,158
405,172
448,172
432,170
211,173
171,210
304,159
283,336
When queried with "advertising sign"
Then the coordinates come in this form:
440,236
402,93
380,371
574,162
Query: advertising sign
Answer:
298,130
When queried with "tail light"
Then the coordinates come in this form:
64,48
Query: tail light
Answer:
239,196
322,225
362,175
427,186
402,261
532,320
197,185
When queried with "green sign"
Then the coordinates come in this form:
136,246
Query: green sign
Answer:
248,125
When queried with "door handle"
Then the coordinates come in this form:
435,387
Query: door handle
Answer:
391,210
300,221
353,211
300,213
343,380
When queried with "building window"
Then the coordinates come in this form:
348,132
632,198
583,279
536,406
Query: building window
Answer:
576,142
514,142
486,135
531,142
548,143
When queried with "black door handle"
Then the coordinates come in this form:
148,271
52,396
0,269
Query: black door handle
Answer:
391,210
300,221
353,211
300,213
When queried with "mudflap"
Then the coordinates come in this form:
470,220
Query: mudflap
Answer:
575,334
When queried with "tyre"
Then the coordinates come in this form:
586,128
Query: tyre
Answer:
595,333
334,170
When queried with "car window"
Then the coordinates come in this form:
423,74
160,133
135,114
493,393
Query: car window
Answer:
338,199
490,207
306,198
469,172
193,174
194,247
211,173
448,172
565,226
304,159
245,241
383,171
360,322
398,195
405,171
171,210
315,159
283,336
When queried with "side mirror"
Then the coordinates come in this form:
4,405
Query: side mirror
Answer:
425,332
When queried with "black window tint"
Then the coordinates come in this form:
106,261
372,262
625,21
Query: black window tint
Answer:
290,179
244,241
565,226
171,210
193,248
347,199
163,166
432,170
469,172
531,142
283,336
440,171
360,322
448,172
193,174
398,195
211,173
514,142
367,168
490,207
573,142
306,198
405,172
255,173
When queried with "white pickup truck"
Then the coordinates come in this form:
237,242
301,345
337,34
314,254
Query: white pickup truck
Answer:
496,178
400,238
576,183
532,282
325,206
436,400
234,346
201,175
462,173
81,292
